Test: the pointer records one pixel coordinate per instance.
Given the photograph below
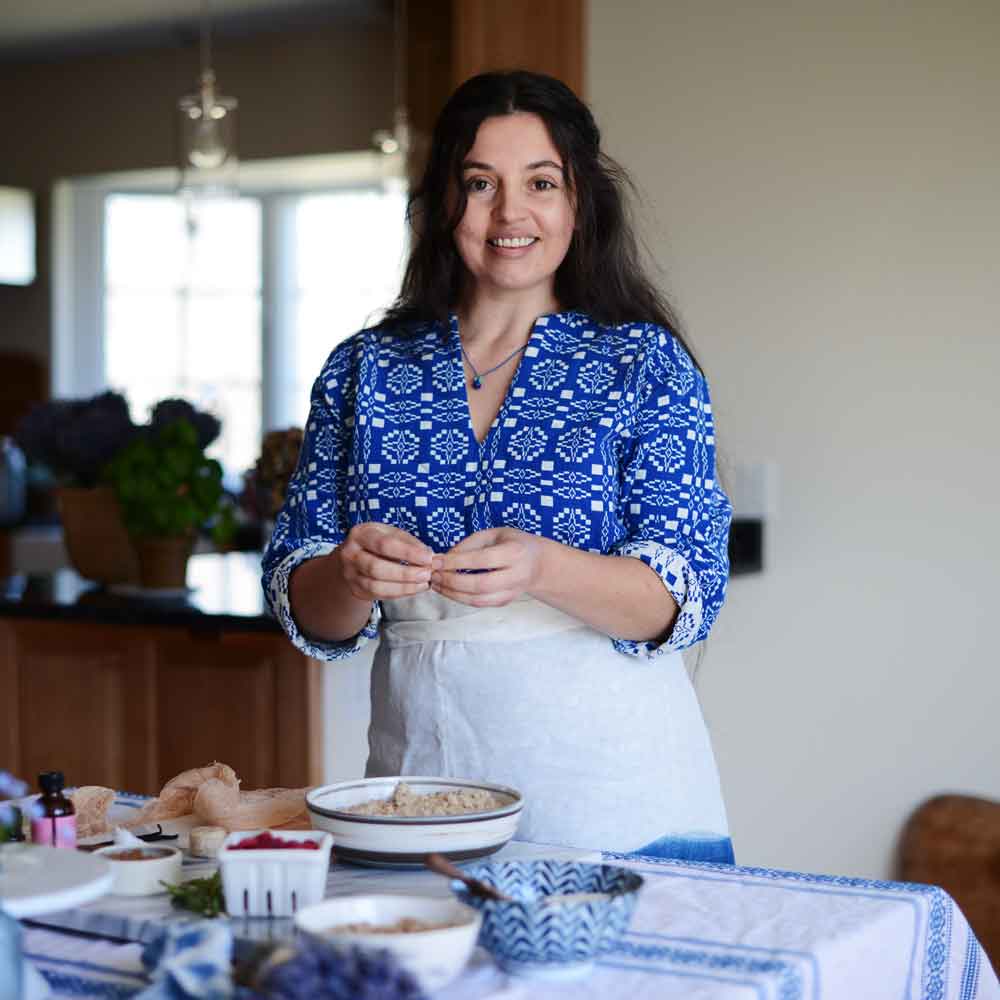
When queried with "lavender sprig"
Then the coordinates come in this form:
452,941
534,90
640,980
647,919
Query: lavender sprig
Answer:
323,971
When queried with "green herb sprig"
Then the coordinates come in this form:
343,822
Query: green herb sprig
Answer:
200,895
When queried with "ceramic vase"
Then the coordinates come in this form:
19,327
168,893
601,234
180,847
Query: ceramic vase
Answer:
98,545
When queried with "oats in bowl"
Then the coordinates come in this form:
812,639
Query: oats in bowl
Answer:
405,925
370,828
404,801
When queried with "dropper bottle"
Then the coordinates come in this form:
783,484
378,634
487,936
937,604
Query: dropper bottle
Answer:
54,820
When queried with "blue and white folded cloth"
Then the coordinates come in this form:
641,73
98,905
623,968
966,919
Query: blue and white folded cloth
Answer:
190,961
78,965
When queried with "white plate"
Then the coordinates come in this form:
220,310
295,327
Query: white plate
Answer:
404,841
36,879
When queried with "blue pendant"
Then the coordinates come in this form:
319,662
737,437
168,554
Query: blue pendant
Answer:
477,383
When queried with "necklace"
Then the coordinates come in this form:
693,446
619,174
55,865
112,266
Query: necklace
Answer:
478,376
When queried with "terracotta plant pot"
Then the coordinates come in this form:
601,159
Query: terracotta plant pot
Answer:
96,540
163,561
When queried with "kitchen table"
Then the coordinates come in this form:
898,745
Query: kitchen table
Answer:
700,931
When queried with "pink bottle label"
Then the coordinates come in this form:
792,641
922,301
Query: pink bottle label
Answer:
55,831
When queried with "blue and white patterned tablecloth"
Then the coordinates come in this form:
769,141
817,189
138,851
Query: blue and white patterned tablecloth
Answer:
700,931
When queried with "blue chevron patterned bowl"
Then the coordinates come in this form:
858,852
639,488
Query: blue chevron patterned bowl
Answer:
548,930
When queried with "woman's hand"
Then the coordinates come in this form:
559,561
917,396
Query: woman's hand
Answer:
505,563
378,560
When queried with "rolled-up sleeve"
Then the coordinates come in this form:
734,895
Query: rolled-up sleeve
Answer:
314,518
675,513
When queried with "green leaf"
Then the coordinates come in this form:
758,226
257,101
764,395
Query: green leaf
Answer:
165,483
224,527
200,895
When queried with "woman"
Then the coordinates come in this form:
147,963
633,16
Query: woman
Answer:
512,479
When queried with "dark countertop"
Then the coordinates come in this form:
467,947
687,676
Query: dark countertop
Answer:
224,593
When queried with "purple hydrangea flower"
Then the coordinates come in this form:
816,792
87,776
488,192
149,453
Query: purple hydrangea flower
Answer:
11,787
324,972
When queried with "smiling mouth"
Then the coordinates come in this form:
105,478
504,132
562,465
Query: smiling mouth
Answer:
512,242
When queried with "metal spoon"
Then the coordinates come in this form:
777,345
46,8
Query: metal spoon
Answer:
440,864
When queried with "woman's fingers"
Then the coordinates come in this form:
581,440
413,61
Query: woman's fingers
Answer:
391,543
368,589
493,599
376,568
382,561
406,549
473,583
477,540
492,557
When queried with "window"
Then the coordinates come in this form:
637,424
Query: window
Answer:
349,248
233,305
182,308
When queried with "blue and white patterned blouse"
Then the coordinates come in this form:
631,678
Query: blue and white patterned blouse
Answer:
604,442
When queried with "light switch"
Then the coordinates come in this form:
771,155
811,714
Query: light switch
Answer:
753,488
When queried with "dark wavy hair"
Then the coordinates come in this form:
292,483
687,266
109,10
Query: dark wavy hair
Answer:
601,275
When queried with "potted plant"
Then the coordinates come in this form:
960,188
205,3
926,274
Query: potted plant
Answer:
74,440
167,488
78,442
266,484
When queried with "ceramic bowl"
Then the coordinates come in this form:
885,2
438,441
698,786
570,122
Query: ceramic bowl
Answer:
142,876
433,957
564,914
404,841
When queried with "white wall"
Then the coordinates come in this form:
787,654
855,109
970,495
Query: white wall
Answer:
346,714
822,188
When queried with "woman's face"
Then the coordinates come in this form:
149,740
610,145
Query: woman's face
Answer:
519,216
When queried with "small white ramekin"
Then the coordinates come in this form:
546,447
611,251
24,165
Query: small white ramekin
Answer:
145,877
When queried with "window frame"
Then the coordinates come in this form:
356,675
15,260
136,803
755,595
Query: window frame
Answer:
78,249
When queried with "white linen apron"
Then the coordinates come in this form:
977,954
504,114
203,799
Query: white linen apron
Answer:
610,751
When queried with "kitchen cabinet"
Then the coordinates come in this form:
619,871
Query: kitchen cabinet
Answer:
447,41
127,693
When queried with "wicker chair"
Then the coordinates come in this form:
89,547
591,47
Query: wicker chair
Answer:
954,841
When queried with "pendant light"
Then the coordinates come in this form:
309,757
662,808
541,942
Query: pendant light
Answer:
397,142
207,130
